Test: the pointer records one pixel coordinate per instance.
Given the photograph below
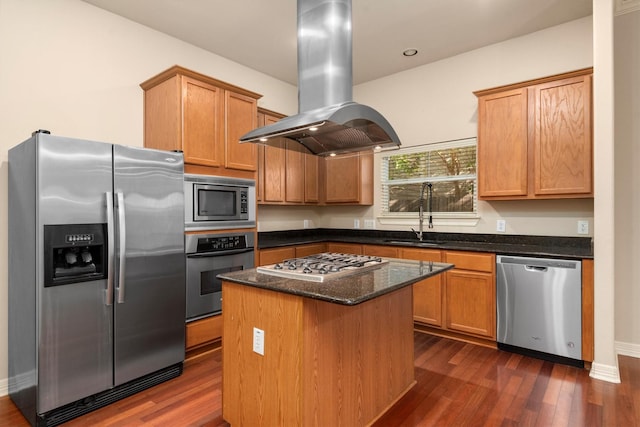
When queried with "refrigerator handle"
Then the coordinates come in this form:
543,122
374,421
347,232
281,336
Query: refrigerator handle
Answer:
110,250
121,246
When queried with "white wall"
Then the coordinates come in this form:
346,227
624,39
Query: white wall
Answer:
75,70
435,103
627,178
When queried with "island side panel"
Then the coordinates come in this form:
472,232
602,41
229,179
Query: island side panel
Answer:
261,390
358,360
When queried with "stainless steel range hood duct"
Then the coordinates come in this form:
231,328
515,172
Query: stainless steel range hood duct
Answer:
328,120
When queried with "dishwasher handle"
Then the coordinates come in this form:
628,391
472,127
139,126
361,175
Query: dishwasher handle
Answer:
535,268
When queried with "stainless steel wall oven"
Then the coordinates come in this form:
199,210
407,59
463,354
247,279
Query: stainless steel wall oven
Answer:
207,256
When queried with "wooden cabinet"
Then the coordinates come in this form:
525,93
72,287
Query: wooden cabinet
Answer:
203,117
381,251
470,293
203,332
345,248
310,249
289,176
275,255
311,179
286,174
348,179
271,165
427,293
535,139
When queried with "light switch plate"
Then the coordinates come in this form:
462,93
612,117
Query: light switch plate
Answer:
258,341
501,226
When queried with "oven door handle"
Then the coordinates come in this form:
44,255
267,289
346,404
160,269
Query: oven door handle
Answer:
221,253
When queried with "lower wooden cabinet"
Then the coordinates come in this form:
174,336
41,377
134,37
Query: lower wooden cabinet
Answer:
202,332
345,248
310,249
470,293
427,293
461,303
275,255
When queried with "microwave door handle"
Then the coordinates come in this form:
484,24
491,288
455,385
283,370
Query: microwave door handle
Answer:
110,248
122,232
221,253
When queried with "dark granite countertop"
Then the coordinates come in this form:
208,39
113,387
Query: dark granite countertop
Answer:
507,244
347,290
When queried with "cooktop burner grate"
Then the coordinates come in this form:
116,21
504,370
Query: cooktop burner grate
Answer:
320,266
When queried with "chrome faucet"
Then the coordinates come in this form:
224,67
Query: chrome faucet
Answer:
421,209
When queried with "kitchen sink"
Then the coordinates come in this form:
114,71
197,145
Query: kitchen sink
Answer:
414,243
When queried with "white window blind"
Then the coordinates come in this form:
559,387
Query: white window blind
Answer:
450,166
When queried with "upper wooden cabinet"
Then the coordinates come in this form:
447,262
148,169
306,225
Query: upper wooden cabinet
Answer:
348,179
286,175
535,139
203,117
289,176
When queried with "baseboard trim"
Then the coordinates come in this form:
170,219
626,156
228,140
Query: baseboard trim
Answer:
603,372
627,349
4,387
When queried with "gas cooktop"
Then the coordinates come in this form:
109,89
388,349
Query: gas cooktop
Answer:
322,266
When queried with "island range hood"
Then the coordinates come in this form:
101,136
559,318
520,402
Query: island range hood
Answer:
328,122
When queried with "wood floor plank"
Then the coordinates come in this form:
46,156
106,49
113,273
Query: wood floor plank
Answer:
458,384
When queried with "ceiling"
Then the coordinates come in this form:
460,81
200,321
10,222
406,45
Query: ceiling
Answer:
262,34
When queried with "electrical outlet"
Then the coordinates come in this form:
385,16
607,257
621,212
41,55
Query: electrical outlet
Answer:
258,341
356,223
583,227
370,223
501,226
305,223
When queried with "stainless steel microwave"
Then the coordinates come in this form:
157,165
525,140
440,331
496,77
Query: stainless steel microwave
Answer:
217,203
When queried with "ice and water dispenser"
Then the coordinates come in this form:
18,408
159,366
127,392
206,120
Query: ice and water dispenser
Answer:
74,253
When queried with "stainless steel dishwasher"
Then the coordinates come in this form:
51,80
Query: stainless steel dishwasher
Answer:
539,307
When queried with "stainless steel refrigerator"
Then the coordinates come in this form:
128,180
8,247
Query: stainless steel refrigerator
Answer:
96,274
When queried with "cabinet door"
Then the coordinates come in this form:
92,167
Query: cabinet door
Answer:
240,117
294,173
562,137
162,115
502,144
274,168
203,129
470,301
311,190
348,179
427,293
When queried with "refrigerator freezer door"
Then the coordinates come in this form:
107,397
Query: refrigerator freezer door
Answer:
150,315
74,323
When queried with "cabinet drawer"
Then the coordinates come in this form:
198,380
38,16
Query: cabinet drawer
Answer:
421,254
476,261
309,249
275,255
381,251
203,331
344,248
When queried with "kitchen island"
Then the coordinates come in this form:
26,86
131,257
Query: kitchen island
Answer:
303,353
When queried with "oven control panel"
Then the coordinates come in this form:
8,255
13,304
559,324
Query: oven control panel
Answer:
221,243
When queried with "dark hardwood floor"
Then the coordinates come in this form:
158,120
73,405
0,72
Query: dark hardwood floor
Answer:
458,384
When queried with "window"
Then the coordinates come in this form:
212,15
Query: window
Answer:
450,166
